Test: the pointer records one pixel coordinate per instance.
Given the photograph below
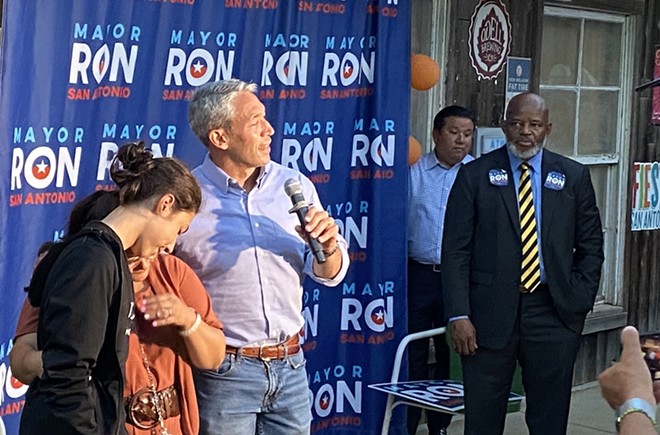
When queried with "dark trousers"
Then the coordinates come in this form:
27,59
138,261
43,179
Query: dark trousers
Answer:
426,311
546,350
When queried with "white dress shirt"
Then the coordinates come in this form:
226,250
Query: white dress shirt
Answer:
245,249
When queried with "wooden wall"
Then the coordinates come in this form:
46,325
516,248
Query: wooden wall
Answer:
642,254
597,351
486,97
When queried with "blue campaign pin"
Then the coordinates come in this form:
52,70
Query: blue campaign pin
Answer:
555,181
498,177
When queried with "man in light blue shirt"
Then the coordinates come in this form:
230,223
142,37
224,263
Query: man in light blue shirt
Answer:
429,184
252,257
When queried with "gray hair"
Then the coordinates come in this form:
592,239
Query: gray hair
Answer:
212,106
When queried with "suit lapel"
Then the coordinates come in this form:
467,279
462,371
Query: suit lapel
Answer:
508,192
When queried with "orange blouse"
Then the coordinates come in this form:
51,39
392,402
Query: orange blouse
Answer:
28,320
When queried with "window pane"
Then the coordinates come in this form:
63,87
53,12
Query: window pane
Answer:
598,122
601,55
561,38
562,115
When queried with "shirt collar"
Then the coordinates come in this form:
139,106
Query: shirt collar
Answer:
222,181
263,173
431,161
534,162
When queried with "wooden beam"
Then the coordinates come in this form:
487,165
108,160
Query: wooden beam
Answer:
628,7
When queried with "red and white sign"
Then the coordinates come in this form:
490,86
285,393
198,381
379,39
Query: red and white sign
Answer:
490,38
655,113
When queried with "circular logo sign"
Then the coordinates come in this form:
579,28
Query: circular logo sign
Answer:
490,38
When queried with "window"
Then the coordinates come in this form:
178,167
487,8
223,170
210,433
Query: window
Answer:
586,79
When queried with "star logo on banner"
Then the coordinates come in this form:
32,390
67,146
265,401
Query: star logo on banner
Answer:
378,317
15,383
198,69
348,70
324,403
41,170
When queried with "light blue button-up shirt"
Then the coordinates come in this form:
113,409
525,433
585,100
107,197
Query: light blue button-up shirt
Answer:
245,249
429,184
535,163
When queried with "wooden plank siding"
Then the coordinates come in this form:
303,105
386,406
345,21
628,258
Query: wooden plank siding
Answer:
486,97
596,354
642,271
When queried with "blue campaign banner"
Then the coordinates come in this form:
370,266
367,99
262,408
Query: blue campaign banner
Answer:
79,79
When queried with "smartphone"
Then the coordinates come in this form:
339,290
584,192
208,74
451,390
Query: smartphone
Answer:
650,343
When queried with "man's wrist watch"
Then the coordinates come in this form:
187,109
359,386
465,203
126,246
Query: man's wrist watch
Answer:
634,405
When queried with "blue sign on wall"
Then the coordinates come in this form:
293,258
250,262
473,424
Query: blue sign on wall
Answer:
518,76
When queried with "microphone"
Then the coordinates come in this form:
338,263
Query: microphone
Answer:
293,188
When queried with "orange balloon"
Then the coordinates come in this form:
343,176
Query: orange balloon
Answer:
424,72
414,150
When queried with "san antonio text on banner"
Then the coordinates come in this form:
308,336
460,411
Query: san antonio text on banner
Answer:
645,220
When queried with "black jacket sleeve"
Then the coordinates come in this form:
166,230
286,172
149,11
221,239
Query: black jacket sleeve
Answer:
457,241
73,323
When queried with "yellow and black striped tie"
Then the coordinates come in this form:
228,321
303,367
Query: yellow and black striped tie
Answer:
530,272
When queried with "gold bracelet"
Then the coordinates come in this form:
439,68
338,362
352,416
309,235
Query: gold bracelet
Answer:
332,251
193,327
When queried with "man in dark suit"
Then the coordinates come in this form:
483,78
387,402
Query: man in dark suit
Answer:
520,272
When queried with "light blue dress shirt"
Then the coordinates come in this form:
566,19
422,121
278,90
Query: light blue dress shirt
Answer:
429,184
244,248
537,185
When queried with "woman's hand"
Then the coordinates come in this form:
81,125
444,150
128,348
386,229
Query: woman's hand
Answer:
167,309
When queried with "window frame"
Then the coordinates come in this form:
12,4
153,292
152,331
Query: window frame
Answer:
613,211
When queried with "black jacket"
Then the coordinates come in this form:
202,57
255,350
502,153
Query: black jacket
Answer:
481,250
83,333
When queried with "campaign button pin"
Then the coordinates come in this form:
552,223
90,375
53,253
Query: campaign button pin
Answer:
498,177
555,181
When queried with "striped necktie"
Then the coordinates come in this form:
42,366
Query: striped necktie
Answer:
530,271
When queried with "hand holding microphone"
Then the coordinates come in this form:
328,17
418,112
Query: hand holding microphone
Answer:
320,230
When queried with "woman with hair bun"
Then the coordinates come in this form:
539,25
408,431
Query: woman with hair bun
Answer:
85,294
160,357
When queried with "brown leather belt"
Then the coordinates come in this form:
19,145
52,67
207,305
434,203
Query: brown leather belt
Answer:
268,352
141,407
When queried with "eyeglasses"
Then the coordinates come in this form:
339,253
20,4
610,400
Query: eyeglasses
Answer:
134,259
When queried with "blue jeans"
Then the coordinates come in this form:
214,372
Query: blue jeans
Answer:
247,396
